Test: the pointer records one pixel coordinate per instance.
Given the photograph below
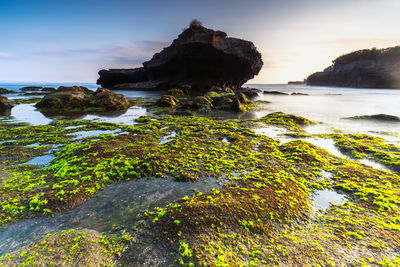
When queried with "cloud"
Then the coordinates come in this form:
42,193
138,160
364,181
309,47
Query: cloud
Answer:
4,55
134,54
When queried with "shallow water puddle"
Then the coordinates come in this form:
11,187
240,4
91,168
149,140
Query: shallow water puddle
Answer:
116,204
91,133
374,164
43,161
322,199
167,138
327,144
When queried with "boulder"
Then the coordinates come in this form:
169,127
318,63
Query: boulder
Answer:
167,101
237,105
65,98
175,92
200,57
202,102
109,100
79,98
250,92
368,68
5,104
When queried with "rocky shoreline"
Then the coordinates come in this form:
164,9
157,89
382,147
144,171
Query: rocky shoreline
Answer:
368,68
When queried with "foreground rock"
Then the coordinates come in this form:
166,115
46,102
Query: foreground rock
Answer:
5,106
369,68
376,117
79,98
217,98
200,57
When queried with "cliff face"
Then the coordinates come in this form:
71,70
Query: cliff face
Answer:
199,57
369,68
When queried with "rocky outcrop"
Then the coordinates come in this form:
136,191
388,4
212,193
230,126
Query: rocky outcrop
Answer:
199,57
5,106
79,99
369,68
376,117
5,91
112,77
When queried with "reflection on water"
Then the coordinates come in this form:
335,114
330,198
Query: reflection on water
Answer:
86,134
28,113
117,204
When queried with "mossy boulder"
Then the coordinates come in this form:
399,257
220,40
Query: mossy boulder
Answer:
175,92
5,104
109,100
79,98
167,101
202,102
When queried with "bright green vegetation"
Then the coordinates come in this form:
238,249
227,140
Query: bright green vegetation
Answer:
262,216
70,248
367,146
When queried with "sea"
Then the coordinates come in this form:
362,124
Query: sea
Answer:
330,105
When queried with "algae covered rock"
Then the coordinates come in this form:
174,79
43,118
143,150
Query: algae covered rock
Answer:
109,100
167,101
202,102
5,105
79,98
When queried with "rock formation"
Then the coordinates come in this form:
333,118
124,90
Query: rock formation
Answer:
5,105
369,68
79,98
199,57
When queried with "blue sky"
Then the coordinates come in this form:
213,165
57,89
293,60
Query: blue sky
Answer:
69,41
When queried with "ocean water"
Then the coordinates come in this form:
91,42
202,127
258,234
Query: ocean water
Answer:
326,104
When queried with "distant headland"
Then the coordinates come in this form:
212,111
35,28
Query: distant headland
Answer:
368,68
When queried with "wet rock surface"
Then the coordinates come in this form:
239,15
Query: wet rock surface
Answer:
200,57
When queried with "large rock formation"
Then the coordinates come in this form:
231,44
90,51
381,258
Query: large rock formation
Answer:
369,68
199,57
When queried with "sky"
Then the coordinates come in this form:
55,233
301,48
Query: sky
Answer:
70,41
